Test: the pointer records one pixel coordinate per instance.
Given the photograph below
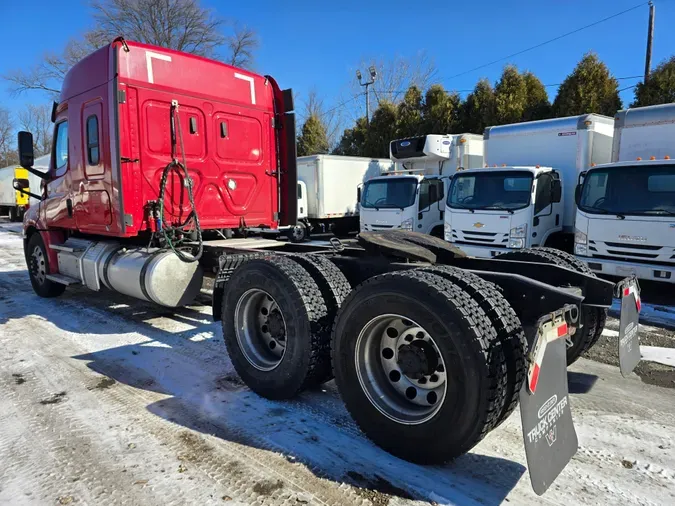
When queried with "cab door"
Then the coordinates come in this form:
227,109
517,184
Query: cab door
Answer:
431,207
58,207
92,201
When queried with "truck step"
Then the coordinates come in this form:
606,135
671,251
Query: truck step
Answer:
68,249
64,280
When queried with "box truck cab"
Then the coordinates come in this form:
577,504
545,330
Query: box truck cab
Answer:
412,196
626,210
524,196
492,210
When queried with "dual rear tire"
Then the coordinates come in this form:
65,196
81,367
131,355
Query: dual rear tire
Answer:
418,358
592,319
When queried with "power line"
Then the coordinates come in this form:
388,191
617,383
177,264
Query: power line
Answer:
549,41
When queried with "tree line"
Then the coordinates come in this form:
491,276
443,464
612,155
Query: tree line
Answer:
516,96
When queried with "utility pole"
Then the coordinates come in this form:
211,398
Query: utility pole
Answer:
373,76
650,37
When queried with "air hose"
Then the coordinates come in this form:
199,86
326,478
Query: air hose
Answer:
173,235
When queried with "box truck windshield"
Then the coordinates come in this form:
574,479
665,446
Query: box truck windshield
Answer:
389,193
491,190
630,190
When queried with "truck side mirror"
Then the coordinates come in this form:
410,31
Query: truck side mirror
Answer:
556,191
358,193
26,155
577,194
21,185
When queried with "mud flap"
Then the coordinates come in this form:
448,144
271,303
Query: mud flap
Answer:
548,429
628,290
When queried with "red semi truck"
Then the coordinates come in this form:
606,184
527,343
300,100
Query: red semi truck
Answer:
430,349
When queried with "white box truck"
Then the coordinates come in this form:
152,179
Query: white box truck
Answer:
626,209
412,196
524,196
331,183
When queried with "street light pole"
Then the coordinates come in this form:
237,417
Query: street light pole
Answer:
373,76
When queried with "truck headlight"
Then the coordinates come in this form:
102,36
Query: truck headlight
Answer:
516,243
407,224
580,243
447,231
519,232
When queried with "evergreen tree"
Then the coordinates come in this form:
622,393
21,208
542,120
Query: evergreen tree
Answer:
313,140
510,96
478,110
590,88
537,105
660,88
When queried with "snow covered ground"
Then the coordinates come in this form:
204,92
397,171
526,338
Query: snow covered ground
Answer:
108,400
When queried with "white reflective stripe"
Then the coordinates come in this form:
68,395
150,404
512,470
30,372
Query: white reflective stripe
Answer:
251,83
149,55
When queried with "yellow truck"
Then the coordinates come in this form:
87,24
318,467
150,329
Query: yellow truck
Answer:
12,202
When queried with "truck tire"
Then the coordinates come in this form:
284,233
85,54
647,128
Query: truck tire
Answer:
505,321
403,398
298,233
581,266
584,336
13,213
38,268
273,318
334,289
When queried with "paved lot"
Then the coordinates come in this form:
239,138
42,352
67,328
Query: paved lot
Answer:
108,400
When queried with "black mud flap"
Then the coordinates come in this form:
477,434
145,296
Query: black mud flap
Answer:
548,429
628,290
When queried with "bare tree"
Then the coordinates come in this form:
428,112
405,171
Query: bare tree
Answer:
331,119
183,25
8,153
242,44
396,75
37,120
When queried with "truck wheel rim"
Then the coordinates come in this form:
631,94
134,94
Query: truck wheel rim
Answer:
400,369
38,267
261,329
298,232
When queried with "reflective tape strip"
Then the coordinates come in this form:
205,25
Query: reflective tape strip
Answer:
631,289
555,330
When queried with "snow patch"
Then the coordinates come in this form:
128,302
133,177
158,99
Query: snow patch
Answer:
665,356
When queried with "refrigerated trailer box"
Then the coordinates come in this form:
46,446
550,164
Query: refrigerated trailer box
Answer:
332,189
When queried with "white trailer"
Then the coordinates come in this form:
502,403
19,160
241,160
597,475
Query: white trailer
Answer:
625,219
332,186
524,196
412,197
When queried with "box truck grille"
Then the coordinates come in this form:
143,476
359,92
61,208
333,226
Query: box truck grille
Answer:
492,239
640,253
632,246
635,260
